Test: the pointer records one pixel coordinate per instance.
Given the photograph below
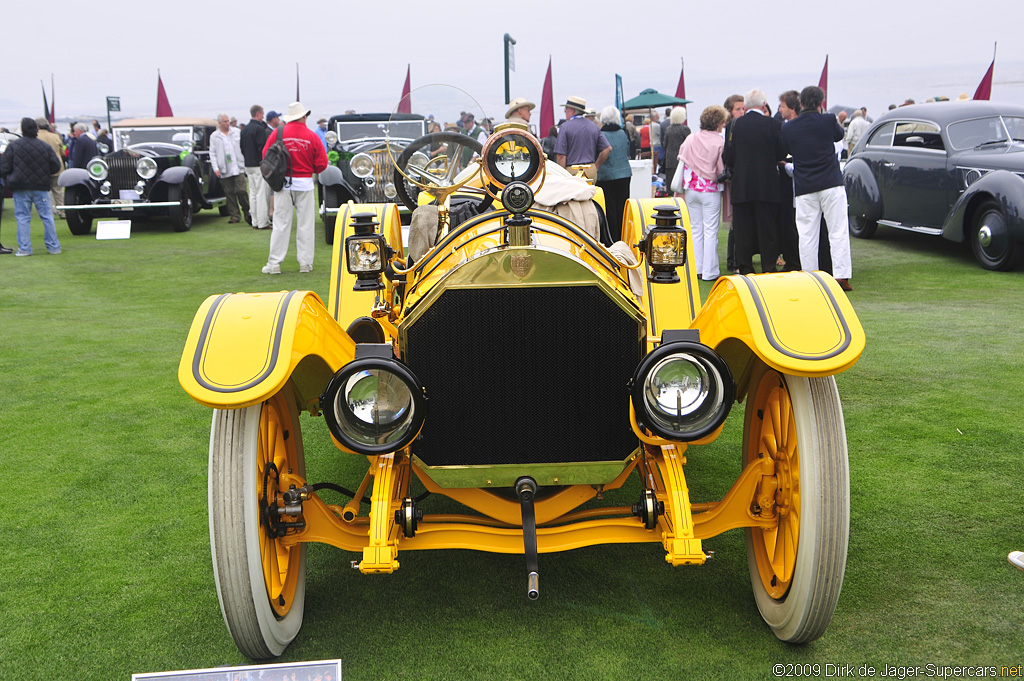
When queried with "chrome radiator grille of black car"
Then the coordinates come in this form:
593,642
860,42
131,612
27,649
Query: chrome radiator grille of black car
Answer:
122,174
383,172
524,375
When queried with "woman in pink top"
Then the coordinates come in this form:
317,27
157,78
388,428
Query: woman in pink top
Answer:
701,156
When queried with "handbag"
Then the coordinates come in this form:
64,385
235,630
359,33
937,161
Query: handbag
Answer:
677,180
724,176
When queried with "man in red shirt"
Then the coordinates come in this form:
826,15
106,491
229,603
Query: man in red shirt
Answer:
308,157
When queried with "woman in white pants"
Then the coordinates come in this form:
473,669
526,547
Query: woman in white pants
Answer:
700,158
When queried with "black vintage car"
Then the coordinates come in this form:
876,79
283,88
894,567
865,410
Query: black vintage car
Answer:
159,166
950,169
361,169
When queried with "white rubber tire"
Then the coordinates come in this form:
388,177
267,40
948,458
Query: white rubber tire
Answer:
804,612
234,535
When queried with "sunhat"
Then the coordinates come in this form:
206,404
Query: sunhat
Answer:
519,103
295,112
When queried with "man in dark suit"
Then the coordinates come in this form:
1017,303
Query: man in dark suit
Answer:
753,150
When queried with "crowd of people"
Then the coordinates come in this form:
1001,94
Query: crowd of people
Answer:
775,180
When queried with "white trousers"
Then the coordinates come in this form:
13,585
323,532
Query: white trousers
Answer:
705,209
809,208
304,206
260,197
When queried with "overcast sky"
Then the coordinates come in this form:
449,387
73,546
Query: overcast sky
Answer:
353,55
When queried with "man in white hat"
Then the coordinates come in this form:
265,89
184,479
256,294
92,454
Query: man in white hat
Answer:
307,157
519,111
579,141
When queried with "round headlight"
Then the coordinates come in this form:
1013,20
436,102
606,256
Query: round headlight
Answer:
146,168
187,147
98,169
362,165
419,160
374,405
331,137
683,391
390,191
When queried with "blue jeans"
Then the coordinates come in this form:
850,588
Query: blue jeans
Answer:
23,200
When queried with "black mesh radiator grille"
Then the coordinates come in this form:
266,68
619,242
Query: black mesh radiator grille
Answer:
524,375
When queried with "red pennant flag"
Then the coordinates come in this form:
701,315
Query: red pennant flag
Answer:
984,90
547,105
163,106
681,87
823,84
405,104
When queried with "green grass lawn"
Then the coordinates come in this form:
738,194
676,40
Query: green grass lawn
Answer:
107,567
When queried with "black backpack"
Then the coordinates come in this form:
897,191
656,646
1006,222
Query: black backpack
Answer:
276,164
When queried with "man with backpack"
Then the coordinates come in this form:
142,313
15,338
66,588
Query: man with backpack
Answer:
307,156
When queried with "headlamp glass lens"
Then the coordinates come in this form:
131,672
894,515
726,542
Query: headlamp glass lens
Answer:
677,386
668,248
375,407
361,165
364,255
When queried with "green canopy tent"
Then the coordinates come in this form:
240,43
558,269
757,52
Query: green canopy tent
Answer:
652,99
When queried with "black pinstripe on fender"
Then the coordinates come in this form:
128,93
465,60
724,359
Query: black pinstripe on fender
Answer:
766,321
273,349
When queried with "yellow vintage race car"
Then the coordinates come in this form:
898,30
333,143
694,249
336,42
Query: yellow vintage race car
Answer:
498,354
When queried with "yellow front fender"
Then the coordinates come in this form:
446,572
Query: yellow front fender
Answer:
798,323
243,348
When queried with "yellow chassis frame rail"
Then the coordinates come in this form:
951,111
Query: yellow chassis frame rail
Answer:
559,527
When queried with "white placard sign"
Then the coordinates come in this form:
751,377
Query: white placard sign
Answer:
325,670
113,229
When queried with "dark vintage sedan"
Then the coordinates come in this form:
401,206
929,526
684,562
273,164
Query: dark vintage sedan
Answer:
159,167
950,169
361,168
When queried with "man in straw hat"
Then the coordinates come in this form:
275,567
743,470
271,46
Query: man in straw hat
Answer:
307,157
579,141
519,111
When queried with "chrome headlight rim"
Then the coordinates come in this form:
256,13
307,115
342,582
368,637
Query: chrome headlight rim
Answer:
344,425
98,169
717,392
361,165
146,168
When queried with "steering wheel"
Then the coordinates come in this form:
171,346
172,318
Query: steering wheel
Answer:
439,173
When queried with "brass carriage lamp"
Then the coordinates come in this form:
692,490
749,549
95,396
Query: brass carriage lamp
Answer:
665,245
366,253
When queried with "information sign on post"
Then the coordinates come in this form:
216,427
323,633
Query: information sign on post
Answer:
113,104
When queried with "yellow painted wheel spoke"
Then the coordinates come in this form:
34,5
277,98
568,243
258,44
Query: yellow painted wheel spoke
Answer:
274,452
776,551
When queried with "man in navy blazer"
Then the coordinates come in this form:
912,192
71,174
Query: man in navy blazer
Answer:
753,149
818,184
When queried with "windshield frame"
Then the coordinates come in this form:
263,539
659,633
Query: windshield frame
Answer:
119,143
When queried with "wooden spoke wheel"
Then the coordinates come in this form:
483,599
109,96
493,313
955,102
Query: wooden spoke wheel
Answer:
797,565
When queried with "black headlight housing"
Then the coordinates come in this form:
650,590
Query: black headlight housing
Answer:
374,404
367,252
682,390
664,247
